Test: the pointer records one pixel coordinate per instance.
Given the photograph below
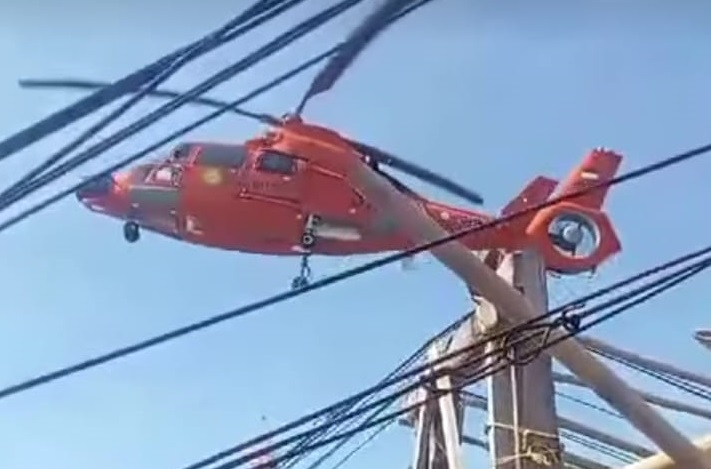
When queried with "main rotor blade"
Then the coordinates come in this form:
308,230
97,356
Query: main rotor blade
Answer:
419,172
378,155
91,85
355,43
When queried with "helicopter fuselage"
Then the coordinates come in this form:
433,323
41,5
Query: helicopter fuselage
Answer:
288,193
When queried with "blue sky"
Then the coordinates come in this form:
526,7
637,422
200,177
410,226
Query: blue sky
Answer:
492,93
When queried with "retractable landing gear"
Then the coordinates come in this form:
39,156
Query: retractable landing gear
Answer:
308,240
131,231
302,280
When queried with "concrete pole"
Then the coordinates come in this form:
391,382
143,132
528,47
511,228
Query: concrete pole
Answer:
479,402
571,353
573,461
501,415
423,428
446,419
534,391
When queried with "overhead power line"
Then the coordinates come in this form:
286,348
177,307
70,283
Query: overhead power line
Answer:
400,368
274,46
347,274
182,131
681,384
253,17
538,331
130,83
362,444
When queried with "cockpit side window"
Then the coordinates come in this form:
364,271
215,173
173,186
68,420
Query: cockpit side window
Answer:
275,162
226,156
139,174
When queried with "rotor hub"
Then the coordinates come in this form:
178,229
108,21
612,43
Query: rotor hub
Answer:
574,234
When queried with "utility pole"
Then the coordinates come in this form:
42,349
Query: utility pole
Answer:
523,428
438,420
420,228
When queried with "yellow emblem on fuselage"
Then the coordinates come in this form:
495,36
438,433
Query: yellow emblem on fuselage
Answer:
212,176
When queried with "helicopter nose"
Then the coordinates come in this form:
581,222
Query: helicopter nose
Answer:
96,188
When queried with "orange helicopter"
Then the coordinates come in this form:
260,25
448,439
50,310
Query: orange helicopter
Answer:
287,192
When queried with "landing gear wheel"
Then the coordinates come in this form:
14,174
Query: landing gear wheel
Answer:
307,240
302,280
131,232
299,282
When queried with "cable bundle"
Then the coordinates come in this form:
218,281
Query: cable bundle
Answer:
536,331
364,410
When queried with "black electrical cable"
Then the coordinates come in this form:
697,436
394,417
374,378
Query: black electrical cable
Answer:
89,104
608,450
344,425
448,357
185,130
683,385
227,34
664,285
569,397
321,459
439,361
362,444
619,304
419,353
191,328
588,404
255,57
9,223
403,366
338,445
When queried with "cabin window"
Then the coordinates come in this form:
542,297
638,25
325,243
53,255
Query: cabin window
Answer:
140,174
279,163
225,156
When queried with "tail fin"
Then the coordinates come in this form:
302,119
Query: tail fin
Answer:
597,167
581,213
535,193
